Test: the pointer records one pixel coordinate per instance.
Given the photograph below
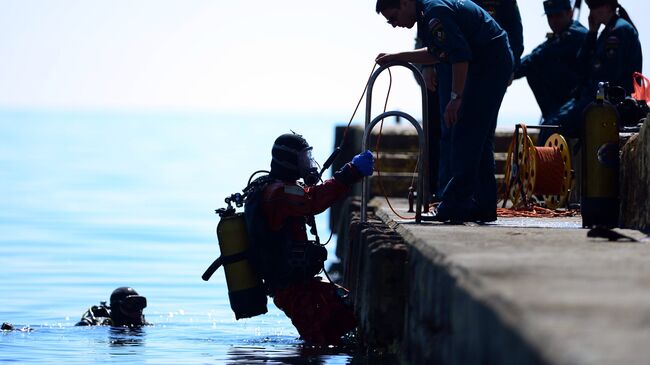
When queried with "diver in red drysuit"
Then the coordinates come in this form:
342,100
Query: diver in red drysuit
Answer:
277,215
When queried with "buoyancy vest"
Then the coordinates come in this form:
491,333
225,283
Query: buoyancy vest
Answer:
278,258
97,315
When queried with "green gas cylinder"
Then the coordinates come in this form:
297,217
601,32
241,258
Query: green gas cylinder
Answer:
600,163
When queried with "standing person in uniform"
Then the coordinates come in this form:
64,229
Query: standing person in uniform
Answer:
277,211
613,56
506,14
462,34
551,69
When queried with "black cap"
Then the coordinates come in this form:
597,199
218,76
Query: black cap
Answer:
126,307
285,152
597,3
127,296
556,6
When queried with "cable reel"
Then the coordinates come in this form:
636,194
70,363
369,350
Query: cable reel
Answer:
514,168
544,171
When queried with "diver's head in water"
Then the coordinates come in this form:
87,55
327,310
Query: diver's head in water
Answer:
126,307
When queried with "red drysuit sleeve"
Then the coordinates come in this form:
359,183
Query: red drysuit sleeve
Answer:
283,200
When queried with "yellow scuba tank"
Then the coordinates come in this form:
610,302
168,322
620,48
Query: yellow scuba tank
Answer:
245,289
600,161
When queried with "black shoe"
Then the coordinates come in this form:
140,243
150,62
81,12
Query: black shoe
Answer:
437,216
484,217
433,217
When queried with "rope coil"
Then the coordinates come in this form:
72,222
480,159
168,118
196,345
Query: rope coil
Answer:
549,161
537,171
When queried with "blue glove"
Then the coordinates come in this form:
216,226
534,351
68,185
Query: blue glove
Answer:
364,162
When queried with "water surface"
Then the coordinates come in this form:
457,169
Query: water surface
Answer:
92,201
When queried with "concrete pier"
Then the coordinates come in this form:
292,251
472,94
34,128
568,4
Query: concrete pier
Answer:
520,291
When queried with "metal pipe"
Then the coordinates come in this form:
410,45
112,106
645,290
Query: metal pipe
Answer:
547,126
366,181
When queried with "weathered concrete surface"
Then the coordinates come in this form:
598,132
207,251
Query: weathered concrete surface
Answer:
380,254
522,292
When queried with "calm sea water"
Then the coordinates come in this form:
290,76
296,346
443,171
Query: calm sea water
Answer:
93,201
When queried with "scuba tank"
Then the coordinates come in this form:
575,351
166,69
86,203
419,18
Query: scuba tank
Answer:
600,160
246,291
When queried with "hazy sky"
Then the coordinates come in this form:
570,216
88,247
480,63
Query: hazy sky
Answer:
220,56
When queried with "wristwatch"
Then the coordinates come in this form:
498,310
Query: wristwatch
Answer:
454,96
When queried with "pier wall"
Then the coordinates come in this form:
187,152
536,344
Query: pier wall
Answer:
520,291
412,301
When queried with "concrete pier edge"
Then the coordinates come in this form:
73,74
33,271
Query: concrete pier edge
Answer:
482,324
522,291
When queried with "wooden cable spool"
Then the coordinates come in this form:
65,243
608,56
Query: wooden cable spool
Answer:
542,171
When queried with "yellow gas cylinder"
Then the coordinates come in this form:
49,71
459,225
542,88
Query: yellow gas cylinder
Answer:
600,161
245,289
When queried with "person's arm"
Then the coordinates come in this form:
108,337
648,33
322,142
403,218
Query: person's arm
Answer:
283,200
430,78
588,48
533,61
458,76
514,29
585,54
290,200
524,66
419,56
621,59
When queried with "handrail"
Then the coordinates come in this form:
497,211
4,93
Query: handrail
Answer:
366,181
423,173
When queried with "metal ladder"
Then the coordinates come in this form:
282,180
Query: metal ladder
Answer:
423,174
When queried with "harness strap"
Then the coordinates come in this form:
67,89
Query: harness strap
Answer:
223,260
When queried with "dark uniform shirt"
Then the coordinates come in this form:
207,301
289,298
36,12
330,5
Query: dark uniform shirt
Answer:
457,31
506,13
552,67
613,57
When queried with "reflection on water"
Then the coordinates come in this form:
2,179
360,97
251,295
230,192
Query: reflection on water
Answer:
292,351
126,336
269,355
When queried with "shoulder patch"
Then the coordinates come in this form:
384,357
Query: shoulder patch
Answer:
433,23
437,30
439,35
294,190
612,40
